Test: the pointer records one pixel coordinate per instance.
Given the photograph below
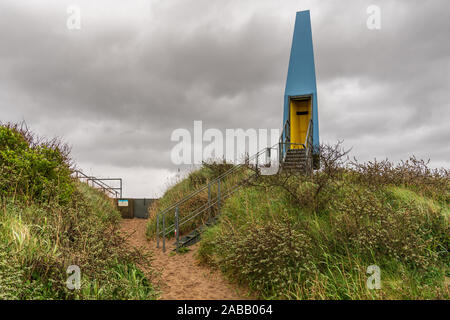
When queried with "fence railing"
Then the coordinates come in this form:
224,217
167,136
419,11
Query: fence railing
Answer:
217,191
309,147
99,183
285,140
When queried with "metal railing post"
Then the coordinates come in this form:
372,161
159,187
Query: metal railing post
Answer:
177,228
279,152
218,196
209,200
157,230
164,232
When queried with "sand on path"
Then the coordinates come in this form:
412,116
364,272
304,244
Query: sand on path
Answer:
182,278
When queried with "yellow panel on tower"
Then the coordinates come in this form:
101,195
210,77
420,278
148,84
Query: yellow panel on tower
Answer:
300,114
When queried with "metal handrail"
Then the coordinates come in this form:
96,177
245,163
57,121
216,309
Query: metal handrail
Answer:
176,225
310,124
285,138
173,227
93,179
208,205
116,192
103,185
223,175
309,146
202,208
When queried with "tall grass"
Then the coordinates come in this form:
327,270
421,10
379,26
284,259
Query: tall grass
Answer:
290,236
49,221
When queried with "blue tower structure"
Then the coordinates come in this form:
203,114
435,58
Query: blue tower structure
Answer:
300,113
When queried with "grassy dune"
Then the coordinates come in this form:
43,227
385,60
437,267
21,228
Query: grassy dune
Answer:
294,237
49,221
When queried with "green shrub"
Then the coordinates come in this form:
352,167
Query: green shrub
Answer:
49,221
43,240
371,226
267,256
341,219
37,171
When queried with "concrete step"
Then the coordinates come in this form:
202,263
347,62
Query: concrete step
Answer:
294,169
299,157
296,151
293,165
295,160
296,156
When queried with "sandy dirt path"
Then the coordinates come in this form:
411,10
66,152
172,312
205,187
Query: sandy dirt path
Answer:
181,276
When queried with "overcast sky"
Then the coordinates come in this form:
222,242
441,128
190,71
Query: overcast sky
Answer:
136,70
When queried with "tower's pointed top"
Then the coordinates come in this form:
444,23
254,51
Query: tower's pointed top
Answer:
301,78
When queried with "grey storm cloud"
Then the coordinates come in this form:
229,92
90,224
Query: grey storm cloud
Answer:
135,71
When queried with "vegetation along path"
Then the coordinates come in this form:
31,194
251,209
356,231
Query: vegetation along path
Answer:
181,275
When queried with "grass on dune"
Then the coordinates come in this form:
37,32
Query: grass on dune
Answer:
49,221
295,253
294,237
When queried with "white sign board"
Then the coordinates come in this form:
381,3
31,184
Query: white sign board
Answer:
123,203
